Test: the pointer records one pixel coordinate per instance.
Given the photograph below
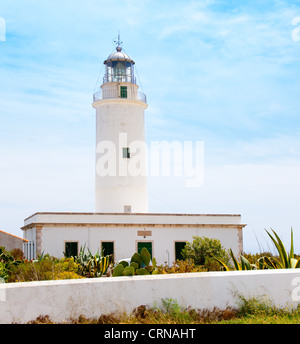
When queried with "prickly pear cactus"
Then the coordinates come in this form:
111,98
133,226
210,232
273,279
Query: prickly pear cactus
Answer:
142,271
128,271
118,270
137,259
139,265
145,256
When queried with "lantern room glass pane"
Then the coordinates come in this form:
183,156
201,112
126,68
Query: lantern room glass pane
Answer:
119,71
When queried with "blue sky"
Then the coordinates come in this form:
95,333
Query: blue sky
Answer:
223,72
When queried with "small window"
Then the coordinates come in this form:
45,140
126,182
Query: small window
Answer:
127,208
71,249
107,248
179,246
126,153
123,91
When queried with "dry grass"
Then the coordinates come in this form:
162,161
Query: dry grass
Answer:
145,315
252,311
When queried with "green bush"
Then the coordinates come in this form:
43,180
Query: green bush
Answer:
3,271
180,266
44,268
203,251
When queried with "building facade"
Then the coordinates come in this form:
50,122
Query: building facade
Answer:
164,235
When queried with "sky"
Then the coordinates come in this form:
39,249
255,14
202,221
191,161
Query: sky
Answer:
223,72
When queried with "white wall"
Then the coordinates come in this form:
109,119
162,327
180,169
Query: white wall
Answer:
61,300
125,239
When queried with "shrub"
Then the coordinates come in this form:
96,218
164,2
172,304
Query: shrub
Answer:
3,271
45,268
180,266
203,251
17,253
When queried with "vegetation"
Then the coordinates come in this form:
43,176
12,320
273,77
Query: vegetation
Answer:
249,311
284,259
204,251
45,268
139,265
180,266
203,254
90,265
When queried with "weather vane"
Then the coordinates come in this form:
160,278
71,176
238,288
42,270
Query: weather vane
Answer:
118,42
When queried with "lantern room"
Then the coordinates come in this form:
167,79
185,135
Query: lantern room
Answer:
119,67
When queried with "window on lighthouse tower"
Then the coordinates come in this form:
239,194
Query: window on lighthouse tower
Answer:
123,91
126,152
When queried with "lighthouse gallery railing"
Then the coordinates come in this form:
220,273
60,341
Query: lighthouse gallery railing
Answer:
114,94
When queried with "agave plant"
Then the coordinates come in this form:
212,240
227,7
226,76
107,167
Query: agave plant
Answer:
287,260
243,265
92,265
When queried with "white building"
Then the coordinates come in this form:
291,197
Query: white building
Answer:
121,224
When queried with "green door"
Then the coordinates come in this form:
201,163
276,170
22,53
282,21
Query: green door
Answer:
147,245
123,91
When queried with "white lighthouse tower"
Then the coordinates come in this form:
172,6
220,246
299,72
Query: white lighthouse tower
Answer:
121,157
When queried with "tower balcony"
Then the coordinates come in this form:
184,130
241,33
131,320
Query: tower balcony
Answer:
122,93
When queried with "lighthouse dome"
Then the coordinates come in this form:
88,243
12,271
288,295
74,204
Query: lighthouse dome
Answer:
119,55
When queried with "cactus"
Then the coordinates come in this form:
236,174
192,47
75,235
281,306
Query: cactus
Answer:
145,256
128,271
137,259
139,265
124,263
134,265
118,270
142,271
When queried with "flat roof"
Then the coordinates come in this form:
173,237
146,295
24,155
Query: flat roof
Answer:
127,214
131,219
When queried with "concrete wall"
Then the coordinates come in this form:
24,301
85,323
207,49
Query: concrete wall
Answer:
62,300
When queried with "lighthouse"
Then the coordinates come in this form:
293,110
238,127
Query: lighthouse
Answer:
121,223
121,153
